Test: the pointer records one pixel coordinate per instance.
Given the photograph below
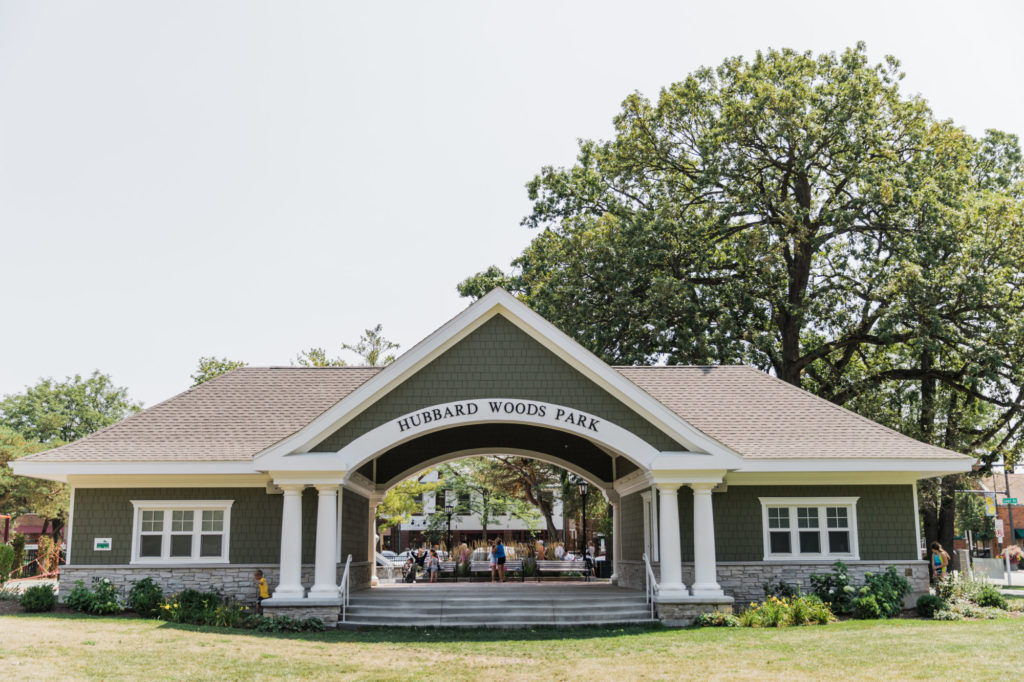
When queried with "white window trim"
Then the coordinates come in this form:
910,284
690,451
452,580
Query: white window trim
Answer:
820,502
198,506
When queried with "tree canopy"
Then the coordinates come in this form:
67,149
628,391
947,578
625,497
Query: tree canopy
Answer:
45,416
372,348
63,411
800,214
211,366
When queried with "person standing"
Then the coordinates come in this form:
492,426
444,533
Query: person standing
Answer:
939,562
433,565
499,556
559,551
493,558
263,592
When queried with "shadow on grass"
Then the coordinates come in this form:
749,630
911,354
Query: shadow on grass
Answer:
416,635
373,635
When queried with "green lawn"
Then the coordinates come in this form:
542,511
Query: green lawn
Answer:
63,646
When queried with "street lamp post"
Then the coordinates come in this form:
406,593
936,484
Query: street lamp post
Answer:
449,509
584,489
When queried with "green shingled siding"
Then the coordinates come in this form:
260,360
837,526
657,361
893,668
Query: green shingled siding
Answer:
255,522
885,519
498,360
355,525
631,523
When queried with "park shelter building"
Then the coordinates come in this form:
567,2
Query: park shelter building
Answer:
722,478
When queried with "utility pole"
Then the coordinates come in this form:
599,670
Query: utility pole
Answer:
1009,512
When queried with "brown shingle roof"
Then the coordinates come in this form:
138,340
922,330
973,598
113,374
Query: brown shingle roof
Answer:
229,418
241,413
760,416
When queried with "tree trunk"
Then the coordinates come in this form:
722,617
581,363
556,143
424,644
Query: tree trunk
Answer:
947,510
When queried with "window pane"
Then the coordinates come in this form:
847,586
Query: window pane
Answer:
181,545
780,543
778,517
181,521
810,543
152,520
807,517
837,517
210,545
839,541
213,520
149,545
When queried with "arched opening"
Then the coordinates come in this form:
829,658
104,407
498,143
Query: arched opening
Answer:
543,466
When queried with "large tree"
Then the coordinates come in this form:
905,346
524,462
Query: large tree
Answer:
47,415
64,411
800,214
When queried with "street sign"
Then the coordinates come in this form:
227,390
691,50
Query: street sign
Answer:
999,530
1009,500
990,505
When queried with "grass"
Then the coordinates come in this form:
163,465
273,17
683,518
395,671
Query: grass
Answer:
46,646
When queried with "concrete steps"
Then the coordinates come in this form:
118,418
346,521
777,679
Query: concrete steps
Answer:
508,605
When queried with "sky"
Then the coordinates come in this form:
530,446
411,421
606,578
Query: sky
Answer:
250,179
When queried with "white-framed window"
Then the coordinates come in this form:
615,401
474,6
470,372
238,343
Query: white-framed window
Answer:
181,531
810,527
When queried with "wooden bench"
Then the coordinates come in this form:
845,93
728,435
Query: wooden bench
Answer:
562,566
511,566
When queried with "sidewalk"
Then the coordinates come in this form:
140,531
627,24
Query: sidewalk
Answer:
21,584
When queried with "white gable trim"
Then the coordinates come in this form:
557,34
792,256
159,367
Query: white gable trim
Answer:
496,302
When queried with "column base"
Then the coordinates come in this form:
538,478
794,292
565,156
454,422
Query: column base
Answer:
702,590
289,592
322,592
672,593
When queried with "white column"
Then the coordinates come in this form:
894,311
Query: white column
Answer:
705,578
326,572
290,585
372,541
616,537
671,584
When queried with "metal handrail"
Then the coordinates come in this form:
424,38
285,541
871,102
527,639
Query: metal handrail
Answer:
651,584
343,588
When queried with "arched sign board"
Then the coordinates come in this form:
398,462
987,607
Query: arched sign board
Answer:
498,410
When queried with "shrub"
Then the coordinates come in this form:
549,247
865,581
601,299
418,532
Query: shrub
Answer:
79,598
145,597
989,595
776,612
888,589
717,620
6,562
928,604
780,589
959,587
192,606
867,608
39,598
835,589
961,609
104,599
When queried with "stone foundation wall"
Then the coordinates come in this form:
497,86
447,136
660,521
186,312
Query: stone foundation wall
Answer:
328,614
683,615
233,581
744,580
